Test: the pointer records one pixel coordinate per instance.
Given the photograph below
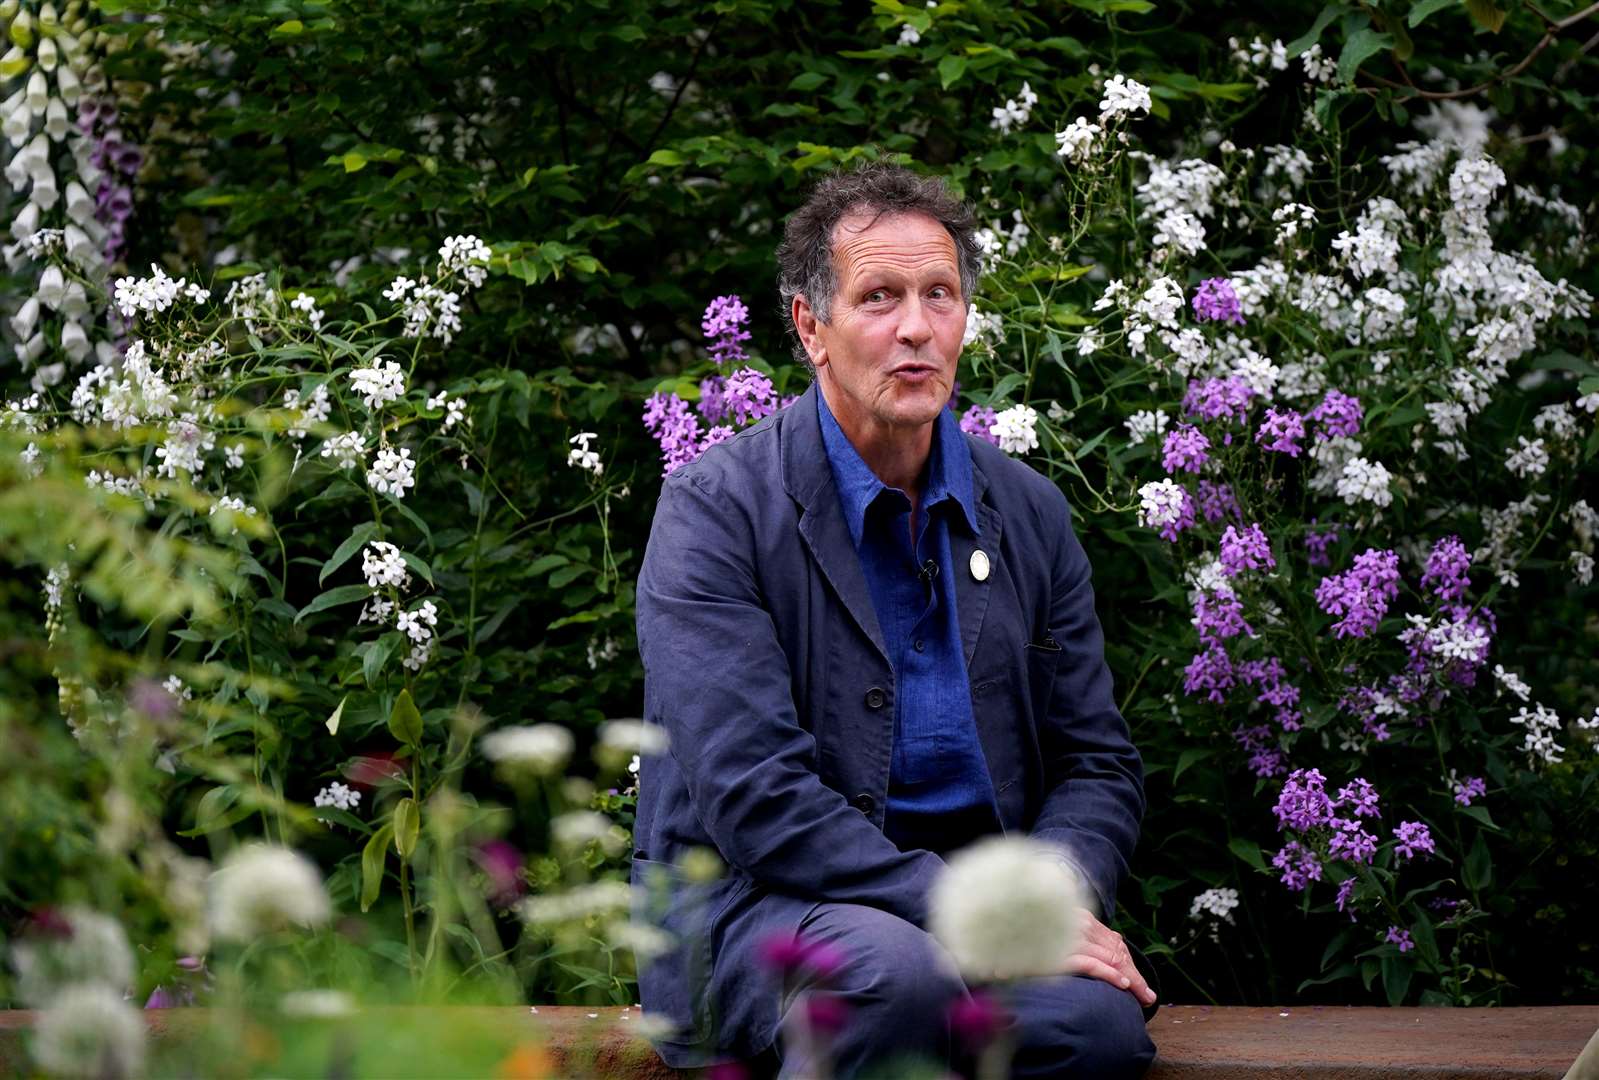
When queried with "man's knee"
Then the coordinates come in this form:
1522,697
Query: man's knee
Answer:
889,964
1078,1026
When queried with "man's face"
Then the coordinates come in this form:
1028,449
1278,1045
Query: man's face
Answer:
887,358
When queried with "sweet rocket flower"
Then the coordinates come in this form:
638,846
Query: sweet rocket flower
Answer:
1210,672
382,565
1413,837
1358,797
338,796
1281,431
1246,550
1186,448
1184,520
1077,142
1474,787
1337,414
1216,501
1351,842
392,473
723,325
1218,616
713,398
979,421
1218,399
1361,594
1365,481
749,395
380,383
1160,503
675,427
1447,564
1401,938
1298,864
1303,804
1123,97
1215,301
1016,429
1345,891
1317,543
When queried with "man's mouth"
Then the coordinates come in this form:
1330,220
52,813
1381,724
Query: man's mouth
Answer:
913,372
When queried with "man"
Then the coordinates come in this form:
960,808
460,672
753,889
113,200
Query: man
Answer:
872,640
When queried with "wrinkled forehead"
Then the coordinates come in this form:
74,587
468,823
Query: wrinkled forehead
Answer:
911,242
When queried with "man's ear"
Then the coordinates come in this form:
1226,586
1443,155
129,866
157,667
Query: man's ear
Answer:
806,325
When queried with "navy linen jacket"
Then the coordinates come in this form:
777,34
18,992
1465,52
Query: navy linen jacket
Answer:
764,662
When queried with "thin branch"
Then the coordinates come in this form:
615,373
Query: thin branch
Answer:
1555,28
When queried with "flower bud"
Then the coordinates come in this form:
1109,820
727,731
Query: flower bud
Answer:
56,124
26,318
38,91
48,17
52,287
74,342
67,84
8,9
26,223
36,152
22,27
74,305
14,62
80,204
47,54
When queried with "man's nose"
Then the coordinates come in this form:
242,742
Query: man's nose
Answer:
914,328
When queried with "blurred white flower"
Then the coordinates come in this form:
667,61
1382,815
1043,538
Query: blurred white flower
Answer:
317,1004
339,796
1006,908
580,456
90,948
261,888
90,1031
633,737
599,898
541,748
579,827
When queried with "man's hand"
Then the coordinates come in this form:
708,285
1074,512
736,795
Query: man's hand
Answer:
1102,954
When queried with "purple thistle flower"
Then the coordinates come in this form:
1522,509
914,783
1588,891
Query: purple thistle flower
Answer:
1473,787
1317,544
1210,671
1338,414
1216,501
1303,804
1283,428
1246,550
1218,399
750,395
1446,569
1414,836
1401,938
1186,447
1346,890
1352,842
1359,797
1298,864
723,325
1361,594
979,421
1215,301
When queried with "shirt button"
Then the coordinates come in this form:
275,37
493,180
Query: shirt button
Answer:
920,645
864,803
875,698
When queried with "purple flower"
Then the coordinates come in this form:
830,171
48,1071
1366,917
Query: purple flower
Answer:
1338,414
1218,399
1414,836
1446,569
1215,301
713,398
1216,501
1299,865
1210,671
1186,448
1361,594
1303,804
1351,842
675,427
1281,431
1401,938
750,395
1472,788
1185,520
723,325
501,863
1265,761
1345,890
1358,797
787,400
1318,542
1246,550
1218,616
719,433
979,421
826,1014
791,954
977,1018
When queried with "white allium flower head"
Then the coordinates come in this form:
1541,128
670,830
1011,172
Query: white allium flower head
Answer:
540,748
94,951
89,1030
262,887
1007,907
633,736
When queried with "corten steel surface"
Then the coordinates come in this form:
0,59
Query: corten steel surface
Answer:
1194,1042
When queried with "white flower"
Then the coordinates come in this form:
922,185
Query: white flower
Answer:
1145,424
339,796
1319,68
383,564
597,651
347,449
454,408
306,303
1123,97
90,1031
185,447
1015,428
317,1004
1161,302
1077,141
542,748
153,294
1589,402
1530,460
1364,481
1217,903
261,888
94,950
581,457
1115,293
417,625
579,827
1015,112
908,35
1088,343
1509,680
633,737
983,326
1007,907
1541,725
398,288
599,898
1292,219
1589,723
1160,503
392,473
379,384
465,254
1582,565
234,455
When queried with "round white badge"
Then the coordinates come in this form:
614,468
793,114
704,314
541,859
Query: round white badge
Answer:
980,565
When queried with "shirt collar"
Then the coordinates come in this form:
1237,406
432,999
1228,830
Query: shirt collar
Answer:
949,470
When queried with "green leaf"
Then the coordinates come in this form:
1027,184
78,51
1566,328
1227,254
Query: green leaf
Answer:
1342,971
353,162
1247,850
373,857
1480,813
377,654
1479,865
806,81
1423,8
666,157
333,721
1362,45
405,722
407,825
1396,974
218,809
343,594
1313,35
1487,15
415,563
289,27
1188,757
950,69
341,555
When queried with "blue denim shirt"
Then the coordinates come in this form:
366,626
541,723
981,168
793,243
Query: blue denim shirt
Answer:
940,795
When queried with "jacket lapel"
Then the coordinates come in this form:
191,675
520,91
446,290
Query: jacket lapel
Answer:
971,595
808,477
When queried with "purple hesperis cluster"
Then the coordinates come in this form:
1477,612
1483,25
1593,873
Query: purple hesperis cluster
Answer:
1359,798
1397,936
1338,414
979,420
1303,803
1185,520
1247,549
749,395
723,324
713,398
1318,541
1210,672
1270,679
1265,760
1216,301
675,427
1473,787
1216,501
1298,864
1218,616
1218,399
1447,564
1186,447
1362,593
1414,838
1281,431
1350,841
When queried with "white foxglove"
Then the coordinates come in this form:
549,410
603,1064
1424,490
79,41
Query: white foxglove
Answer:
80,204
74,342
51,289
26,318
56,124
38,91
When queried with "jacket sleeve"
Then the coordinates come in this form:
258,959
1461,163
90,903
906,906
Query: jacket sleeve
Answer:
1093,777
717,679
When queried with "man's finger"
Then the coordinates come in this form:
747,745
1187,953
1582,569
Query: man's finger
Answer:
1127,978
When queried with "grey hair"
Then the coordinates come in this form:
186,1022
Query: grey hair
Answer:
805,257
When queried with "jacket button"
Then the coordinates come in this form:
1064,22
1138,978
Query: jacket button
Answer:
875,698
864,803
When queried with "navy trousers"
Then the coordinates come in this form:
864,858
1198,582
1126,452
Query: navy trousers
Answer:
898,985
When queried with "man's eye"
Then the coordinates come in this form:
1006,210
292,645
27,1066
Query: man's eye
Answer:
938,292
876,296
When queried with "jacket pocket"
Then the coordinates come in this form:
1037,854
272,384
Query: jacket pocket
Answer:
677,983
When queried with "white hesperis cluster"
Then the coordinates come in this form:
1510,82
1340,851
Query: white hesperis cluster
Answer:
378,383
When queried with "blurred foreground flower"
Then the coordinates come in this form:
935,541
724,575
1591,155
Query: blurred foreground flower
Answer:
1007,907
89,1031
261,888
